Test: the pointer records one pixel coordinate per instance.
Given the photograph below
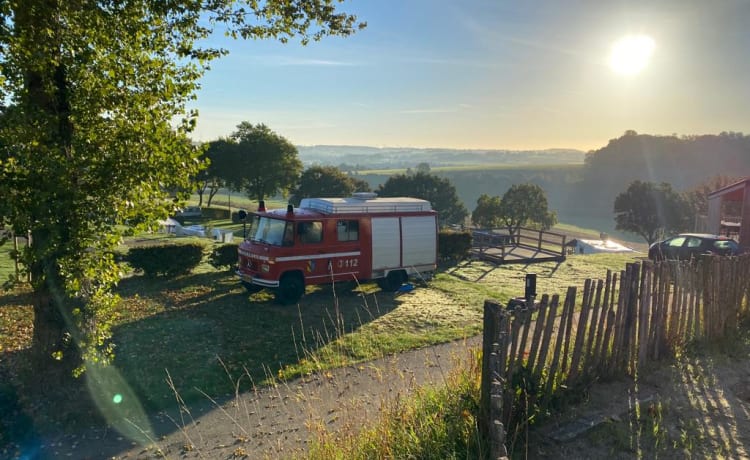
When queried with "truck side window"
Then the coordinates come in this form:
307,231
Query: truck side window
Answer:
288,235
347,230
310,232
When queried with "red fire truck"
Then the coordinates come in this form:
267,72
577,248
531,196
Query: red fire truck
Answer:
326,240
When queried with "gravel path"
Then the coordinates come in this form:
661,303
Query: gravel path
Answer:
271,422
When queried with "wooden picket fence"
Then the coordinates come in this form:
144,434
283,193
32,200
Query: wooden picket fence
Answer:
645,313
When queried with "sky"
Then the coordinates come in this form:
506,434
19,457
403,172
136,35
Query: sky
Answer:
491,74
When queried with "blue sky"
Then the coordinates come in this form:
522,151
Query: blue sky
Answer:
491,74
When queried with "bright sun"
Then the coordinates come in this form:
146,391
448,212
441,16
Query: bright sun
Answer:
630,54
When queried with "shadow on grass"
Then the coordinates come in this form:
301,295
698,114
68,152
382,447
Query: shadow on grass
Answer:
209,331
202,332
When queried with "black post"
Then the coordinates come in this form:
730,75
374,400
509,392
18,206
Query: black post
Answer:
530,292
242,214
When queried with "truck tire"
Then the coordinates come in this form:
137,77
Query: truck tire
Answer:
251,288
290,290
392,281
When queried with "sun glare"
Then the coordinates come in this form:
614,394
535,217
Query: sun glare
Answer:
630,54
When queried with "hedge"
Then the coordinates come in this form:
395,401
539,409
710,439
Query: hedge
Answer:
215,213
453,246
165,259
224,256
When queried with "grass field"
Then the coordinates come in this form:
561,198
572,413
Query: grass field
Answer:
475,167
201,326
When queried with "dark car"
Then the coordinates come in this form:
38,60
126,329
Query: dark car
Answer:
689,245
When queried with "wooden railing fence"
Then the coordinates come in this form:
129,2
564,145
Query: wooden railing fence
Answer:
643,314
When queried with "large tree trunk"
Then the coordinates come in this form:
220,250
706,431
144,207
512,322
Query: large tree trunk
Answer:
53,349
47,100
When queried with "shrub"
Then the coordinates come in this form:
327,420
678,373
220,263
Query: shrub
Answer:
453,246
215,213
224,256
165,259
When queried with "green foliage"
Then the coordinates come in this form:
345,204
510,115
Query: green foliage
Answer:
438,191
260,162
682,161
165,259
94,130
525,204
487,212
326,181
215,213
651,210
224,256
453,246
219,169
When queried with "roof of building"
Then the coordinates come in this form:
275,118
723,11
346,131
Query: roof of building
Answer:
732,192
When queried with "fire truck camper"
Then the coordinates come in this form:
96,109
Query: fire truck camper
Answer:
328,240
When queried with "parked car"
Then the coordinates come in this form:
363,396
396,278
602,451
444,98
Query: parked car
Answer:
190,211
689,245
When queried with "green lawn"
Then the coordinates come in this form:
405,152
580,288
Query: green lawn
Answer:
189,326
205,331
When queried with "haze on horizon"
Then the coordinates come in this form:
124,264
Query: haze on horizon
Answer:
493,75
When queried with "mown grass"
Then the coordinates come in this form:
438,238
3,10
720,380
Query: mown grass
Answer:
185,325
200,327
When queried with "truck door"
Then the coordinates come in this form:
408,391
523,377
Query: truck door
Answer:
310,235
346,261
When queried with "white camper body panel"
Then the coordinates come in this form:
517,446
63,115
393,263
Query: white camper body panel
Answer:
408,242
419,241
386,247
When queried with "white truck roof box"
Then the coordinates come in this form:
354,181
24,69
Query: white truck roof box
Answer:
365,204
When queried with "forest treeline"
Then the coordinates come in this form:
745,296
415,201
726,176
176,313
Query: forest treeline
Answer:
584,194
684,162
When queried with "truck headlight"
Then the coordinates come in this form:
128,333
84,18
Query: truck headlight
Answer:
265,268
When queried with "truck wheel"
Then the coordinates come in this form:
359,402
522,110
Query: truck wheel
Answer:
392,281
290,290
251,288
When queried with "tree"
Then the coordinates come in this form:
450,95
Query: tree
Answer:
651,210
487,212
525,204
437,190
214,176
423,167
89,142
263,163
327,181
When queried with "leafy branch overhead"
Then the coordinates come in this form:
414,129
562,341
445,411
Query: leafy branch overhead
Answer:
94,133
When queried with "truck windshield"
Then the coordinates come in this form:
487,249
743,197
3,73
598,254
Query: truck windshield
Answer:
271,231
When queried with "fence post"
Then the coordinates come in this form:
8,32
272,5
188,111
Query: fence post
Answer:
494,352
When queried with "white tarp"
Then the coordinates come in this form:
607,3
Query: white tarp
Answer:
191,230
169,225
596,246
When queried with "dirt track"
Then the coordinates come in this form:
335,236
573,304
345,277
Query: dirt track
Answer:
271,422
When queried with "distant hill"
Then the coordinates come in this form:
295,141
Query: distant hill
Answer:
684,162
355,158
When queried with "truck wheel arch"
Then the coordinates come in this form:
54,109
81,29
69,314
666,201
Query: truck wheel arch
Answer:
291,287
393,280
